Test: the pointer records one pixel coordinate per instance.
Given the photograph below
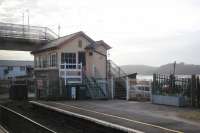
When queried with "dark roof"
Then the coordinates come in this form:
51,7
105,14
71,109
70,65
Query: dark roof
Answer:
62,40
15,63
101,42
132,75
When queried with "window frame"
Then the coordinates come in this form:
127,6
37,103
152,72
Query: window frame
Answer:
53,59
10,68
69,58
24,68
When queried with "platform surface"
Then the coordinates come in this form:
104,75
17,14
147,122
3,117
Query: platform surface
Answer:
141,116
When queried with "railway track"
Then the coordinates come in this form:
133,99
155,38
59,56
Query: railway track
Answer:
3,130
18,123
59,121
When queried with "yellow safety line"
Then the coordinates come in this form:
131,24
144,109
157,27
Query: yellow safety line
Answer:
139,122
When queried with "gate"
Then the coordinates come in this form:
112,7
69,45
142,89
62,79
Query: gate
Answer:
120,88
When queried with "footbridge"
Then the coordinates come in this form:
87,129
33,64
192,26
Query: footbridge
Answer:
24,37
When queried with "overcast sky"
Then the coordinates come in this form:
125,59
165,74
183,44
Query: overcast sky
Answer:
150,32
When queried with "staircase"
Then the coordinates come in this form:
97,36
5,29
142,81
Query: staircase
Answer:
95,91
119,79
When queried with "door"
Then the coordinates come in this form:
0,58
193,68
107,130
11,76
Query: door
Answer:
81,58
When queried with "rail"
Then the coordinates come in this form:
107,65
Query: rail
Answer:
3,130
116,70
14,121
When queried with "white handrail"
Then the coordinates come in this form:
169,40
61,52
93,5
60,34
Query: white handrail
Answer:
77,66
71,67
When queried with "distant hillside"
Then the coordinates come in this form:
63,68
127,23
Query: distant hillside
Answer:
140,69
181,68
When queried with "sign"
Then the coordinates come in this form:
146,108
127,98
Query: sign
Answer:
39,84
73,92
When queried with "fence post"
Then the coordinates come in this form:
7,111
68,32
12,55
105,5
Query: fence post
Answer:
112,87
198,91
154,84
193,85
60,86
48,91
119,72
127,88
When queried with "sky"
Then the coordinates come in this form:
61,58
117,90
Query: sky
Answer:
149,32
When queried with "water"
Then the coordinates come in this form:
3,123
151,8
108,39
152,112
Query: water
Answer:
145,77
150,77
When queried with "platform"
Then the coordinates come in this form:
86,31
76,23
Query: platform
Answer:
133,115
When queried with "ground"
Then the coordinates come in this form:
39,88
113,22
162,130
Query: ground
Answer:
143,116
138,115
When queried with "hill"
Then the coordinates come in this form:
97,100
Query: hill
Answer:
181,68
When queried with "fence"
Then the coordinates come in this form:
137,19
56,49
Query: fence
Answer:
170,85
49,88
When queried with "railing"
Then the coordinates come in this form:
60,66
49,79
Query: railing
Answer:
116,70
94,89
119,79
97,85
8,30
72,73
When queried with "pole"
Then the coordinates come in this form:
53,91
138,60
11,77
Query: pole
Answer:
58,31
23,22
28,16
174,68
28,22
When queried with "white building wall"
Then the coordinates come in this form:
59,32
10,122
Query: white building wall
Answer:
12,73
2,72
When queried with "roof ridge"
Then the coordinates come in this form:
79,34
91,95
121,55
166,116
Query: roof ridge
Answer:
65,36
59,41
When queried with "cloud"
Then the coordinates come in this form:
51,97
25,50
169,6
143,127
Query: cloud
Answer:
141,32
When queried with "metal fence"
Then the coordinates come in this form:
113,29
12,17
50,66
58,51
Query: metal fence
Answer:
171,85
46,88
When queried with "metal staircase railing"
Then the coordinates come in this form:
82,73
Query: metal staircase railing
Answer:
115,70
94,89
98,86
120,79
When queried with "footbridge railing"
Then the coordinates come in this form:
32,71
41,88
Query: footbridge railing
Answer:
9,30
